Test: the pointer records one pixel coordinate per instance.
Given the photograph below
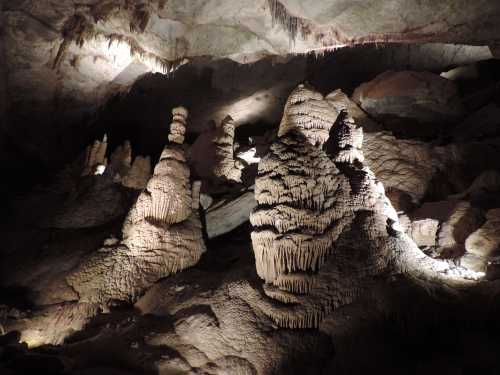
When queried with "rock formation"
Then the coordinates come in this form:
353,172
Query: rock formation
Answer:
212,154
95,160
484,243
408,102
323,227
226,167
161,234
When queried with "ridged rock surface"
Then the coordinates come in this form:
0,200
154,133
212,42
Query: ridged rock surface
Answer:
323,226
161,234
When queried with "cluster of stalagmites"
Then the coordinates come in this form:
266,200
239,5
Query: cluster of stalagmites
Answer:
323,226
161,234
120,166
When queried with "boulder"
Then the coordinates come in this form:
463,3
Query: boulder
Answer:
408,102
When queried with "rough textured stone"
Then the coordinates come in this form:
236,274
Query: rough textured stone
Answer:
408,101
457,219
321,213
485,241
160,236
424,231
406,165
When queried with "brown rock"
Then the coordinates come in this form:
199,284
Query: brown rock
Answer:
400,99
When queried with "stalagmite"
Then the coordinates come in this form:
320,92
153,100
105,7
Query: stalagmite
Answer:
225,166
95,157
138,174
161,234
323,228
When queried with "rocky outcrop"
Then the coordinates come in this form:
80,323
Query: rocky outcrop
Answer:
161,234
411,103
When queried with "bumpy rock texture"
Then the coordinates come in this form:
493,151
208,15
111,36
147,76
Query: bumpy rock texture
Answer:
67,58
212,155
323,227
161,234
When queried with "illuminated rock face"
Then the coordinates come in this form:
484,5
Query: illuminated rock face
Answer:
161,234
323,226
308,203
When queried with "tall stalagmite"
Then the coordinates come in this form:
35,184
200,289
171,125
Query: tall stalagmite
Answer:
323,226
161,234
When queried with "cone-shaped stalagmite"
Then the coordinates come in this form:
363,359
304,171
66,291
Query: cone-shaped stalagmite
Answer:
323,227
161,234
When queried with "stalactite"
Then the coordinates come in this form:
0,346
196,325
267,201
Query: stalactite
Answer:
81,29
293,25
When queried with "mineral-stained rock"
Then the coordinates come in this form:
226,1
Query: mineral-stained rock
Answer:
485,241
407,101
161,235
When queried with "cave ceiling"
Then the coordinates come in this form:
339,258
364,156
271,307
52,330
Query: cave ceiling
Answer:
62,59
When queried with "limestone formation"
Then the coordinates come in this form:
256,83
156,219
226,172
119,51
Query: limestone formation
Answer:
178,125
225,166
307,112
445,225
403,99
138,174
406,165
305,203
161,234
323,227
485,241
120,161
95,160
